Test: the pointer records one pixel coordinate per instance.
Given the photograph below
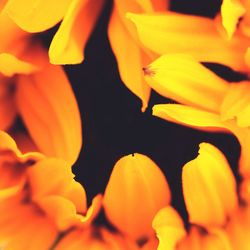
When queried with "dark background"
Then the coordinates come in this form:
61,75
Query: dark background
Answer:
114,126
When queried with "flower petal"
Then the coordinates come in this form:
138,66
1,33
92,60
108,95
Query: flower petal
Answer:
182,78
169,228
69,41
36,16
137,189
130,58
170,32
49,110
209,188
231,12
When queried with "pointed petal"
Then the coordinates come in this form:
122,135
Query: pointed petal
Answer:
169,228
36,16
177,33
209,188
182,78
59,181
189,116
137,189
69,41
11,65
130,58
49,110
231,12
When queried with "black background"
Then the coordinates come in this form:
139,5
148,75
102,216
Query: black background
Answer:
114,126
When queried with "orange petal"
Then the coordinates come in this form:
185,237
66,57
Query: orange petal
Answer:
231,12
36,16
182,78
137,189
169,228
68,43
54,177
49,110
130,58
178,33
11,65
191,117
209,188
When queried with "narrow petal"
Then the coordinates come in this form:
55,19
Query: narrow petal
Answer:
189,116
130,58
49,110
177,33
68,43
36,16
182,78
209,188
137,189
11,65
169,228
231,12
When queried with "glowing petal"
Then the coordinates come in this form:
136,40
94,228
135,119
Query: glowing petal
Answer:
49,109
177,33
183,79
209,188
231,12
169,228
68,43
130,58
36,16
11,65
190,116
137,189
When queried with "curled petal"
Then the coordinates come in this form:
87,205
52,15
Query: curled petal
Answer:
182,78
137,189
36,16
231,12
49,110
209,188
69,41
177,33
169,228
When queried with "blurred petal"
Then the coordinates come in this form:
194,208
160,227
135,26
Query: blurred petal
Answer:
49,110
136,190
209,188
95,239
236,104
36,16
61,182
11,65
169,228
68,43
130,59
189,116
177,33
231,12
183,79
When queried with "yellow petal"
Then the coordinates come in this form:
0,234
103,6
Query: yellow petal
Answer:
191,117
130,58
69,41
169,228
36,16
137,189
49,110
177,33
231,12
182,78
236,104
11,65
209,188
